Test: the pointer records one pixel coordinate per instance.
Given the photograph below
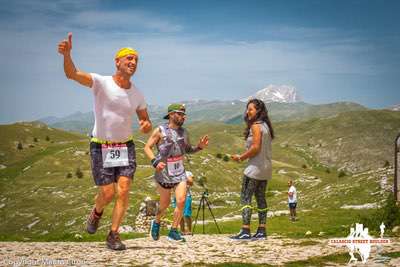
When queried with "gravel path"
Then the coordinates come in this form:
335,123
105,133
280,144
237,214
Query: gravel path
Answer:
199,249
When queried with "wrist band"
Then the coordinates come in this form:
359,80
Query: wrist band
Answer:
155,162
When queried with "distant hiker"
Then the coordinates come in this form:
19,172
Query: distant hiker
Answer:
292,200
187,210
172,142
112,151
258,136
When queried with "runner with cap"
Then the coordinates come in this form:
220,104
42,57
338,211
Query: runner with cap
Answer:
112,151
172,142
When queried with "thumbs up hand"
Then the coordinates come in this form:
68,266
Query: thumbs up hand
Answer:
65,46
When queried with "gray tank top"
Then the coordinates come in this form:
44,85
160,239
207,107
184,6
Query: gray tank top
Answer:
171,149
260,166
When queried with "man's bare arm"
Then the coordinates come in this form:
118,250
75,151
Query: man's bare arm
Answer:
144,121
64,48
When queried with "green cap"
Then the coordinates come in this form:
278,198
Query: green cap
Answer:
176,107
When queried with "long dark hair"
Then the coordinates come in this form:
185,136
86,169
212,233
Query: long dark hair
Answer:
261,115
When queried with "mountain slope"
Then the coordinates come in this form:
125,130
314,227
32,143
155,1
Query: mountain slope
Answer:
355,140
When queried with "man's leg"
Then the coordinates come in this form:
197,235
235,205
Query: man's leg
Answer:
120,207
122,202
180,195
182,225
165,199
103,197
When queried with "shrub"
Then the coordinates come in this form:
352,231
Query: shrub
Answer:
69,175
47,138
202,180
341,174
304,166
35,139
389,214
387,164
79,173
327,170
219,155
19,146
226,158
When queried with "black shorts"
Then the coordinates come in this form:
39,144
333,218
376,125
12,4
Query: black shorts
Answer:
292,205
167,185
105,176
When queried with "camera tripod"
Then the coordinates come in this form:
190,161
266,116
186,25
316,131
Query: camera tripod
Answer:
203,201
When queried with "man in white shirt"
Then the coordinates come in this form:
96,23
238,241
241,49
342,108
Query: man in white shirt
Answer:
112,150
292,200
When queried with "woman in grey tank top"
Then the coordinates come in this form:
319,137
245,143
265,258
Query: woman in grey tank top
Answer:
258,135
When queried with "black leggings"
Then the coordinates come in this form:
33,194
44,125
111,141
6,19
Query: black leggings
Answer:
252,186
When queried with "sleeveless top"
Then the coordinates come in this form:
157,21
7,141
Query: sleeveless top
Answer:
260,166
171,149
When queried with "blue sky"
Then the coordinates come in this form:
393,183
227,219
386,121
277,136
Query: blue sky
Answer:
329,50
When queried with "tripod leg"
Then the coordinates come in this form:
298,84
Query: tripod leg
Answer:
215,221
197,214
203,214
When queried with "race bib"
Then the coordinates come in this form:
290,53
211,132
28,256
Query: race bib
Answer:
114,155
175,165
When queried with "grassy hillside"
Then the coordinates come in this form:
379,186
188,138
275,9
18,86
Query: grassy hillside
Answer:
41,197
355,141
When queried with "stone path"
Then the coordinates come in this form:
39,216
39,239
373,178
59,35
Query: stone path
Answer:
199,250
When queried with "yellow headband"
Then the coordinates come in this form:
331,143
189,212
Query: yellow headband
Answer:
125,51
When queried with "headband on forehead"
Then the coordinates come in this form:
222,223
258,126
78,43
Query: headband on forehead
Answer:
126,51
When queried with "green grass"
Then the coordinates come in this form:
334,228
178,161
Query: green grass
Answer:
341,258
61,204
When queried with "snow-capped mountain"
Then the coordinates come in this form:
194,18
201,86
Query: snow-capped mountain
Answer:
395,107
277,93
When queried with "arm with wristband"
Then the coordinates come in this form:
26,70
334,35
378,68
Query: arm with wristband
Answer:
148,150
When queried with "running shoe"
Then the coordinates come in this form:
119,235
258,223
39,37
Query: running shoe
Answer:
155,230
260,235
114,241
174,235
244,234
92,222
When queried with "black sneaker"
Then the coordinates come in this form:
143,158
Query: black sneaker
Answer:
92,222
114,241
260,235
244,234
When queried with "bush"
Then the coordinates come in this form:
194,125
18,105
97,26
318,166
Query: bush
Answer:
389,214
202,181
35,139
47,138
304,166
19,146
69,175
79,173
341,174
226,158
387,164
219,155
327,170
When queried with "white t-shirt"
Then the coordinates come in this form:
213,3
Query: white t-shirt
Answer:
113,108
292,199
